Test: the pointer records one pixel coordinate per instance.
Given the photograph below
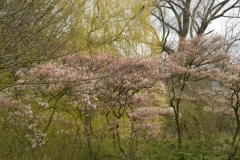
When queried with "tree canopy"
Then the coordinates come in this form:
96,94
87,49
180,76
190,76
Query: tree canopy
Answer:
108,79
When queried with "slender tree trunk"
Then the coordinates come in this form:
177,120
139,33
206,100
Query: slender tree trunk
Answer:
178,131
111,127
234,145
176,113
87,132
119,142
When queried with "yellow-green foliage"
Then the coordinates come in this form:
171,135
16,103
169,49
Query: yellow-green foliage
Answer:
112,26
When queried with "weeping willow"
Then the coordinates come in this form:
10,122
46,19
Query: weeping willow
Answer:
111,26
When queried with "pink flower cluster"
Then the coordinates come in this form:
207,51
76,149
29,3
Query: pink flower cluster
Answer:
94,81
21,117
196,60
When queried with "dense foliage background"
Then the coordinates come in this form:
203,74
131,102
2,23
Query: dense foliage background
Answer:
108,79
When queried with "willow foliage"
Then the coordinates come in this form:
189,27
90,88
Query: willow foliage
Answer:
112,27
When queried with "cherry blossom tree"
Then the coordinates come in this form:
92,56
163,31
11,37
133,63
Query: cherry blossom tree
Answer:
124,91
195,61
19,123
78,89
226,99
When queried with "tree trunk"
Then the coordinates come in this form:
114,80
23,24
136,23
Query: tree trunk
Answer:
234,145
178,131
176,114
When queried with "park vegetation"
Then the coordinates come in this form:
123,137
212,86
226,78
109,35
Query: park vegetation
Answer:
97,80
